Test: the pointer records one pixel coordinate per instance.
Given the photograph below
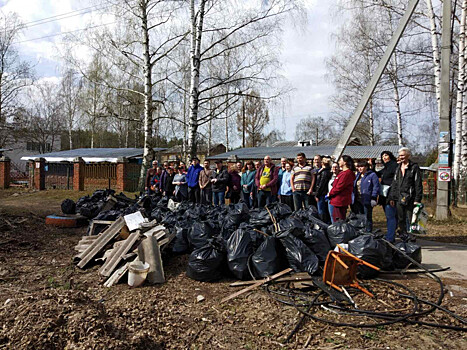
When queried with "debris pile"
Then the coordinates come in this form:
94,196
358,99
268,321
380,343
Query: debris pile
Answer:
222,241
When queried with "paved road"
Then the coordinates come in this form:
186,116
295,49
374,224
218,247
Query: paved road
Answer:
437,255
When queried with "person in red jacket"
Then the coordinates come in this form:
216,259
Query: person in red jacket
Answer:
342,188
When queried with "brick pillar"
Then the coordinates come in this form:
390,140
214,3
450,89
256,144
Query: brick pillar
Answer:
78,174
122,179
4,172
39,174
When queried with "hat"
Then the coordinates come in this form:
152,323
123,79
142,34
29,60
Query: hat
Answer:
218,161
194,158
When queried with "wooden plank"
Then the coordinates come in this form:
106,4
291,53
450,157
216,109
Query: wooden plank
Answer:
296,277
96,247
118,253
257,284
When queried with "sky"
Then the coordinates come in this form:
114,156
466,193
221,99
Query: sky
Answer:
304,50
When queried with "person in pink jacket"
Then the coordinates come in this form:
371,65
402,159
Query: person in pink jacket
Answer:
341,193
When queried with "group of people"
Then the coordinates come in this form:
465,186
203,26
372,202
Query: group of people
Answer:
332,187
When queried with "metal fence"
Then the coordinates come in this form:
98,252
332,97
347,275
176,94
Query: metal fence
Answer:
132,176
59,176
100,171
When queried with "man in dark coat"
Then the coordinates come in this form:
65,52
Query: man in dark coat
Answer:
406,190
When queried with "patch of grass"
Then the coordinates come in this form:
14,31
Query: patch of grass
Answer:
370,335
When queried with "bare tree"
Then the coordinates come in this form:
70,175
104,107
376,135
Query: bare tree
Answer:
70,91
217,28
42,121
316,129
15,74
252,120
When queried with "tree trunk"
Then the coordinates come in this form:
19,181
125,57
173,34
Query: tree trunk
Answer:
148,152
460,93
195,52
70,134
435,50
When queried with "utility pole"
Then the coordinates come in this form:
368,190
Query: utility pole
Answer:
444,140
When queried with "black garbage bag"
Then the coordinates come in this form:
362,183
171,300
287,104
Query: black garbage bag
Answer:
299,256
340,232
317,241
170,219
307,214
158,214
110,215
90,209
80,202
207,263
371,250
181,244
240,246
199,234
238,212
266,260
279,210
162,203
358,221
260,217
411,249
68,206
294,225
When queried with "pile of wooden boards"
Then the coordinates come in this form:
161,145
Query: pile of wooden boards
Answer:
125,240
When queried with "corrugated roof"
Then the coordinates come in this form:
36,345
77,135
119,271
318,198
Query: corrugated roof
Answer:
358,152
91,154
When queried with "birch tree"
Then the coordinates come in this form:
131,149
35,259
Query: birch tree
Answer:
218,28
146,33
70,91
460,93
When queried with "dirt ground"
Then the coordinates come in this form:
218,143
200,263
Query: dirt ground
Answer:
47,303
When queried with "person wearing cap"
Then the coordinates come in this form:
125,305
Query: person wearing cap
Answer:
192,178
149,175
219,180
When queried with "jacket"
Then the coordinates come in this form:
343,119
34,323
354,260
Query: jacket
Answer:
272,183
222,179
407,189
183,188
234,180
322,179
387,173
169,187
248,178
342,188
369,187
192,176
149,175
205,179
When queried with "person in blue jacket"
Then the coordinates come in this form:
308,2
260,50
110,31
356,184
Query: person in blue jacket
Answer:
369,189
247,181
192,179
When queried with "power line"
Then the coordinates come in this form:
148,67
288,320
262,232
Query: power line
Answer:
62,16
63,33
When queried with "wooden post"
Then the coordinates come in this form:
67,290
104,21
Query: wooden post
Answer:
39,174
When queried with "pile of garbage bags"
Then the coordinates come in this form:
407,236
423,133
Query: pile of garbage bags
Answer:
234,241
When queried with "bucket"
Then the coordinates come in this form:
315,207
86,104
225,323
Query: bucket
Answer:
137,272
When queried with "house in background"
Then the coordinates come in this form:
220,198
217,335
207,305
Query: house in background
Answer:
176,153
20,147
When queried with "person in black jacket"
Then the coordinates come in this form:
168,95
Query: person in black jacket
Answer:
169,187
322,179
219,180
387,176
406,190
